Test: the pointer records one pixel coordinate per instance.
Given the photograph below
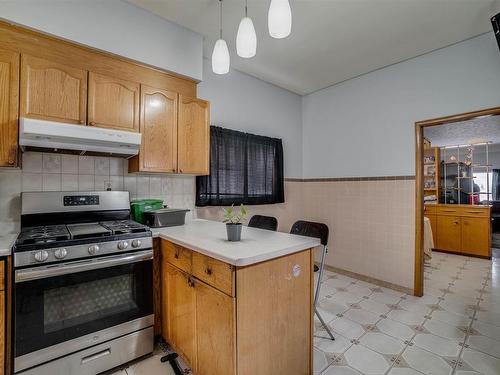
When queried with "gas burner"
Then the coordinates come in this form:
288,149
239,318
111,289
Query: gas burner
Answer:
43,234
124,226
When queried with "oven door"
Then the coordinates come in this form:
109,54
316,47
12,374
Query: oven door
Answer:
67,306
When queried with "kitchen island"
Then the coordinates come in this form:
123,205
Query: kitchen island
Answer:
240,308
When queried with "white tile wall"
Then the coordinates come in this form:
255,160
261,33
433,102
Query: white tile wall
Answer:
58,172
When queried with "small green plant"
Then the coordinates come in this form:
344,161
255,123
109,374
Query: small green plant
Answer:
233,217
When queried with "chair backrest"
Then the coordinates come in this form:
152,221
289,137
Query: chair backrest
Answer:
263,222
311,229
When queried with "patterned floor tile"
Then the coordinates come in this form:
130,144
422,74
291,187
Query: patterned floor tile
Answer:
437,345
481,362
484,344
395,329
382,343
340,370
426,362
366,361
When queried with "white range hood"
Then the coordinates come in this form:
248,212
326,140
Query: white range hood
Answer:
56,136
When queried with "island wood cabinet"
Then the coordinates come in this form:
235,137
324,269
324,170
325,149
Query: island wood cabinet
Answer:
9,107
227,320
113,103
53,91
462,229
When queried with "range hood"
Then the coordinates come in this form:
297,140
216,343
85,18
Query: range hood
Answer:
55,136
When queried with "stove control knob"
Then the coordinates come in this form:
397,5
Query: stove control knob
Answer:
41,256
93,249
122,245
60,253
136,243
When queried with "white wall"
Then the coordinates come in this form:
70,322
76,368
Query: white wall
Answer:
115,26
375,114
241,102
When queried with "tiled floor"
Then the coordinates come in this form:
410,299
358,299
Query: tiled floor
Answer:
453,329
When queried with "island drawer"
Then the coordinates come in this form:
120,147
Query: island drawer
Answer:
177,255
218,274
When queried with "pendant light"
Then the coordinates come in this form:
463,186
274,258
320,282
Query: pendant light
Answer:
220,54
246,39
279,19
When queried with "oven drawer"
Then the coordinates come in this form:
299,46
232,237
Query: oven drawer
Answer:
101,357
218,274
176,255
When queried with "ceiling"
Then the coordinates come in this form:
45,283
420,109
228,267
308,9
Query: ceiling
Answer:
459,133
332,40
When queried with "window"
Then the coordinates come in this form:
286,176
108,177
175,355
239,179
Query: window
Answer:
244,169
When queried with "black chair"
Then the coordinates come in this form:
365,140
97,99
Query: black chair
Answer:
263,222
316,230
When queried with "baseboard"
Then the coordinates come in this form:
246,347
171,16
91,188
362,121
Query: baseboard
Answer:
462,254
369,279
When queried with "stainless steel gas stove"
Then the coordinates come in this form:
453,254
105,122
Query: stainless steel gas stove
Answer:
83,284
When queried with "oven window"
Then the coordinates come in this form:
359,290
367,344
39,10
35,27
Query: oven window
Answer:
53,310
70,306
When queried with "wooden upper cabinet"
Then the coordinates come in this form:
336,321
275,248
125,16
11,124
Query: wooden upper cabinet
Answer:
113,103
193,147
158,151
53,91
9,108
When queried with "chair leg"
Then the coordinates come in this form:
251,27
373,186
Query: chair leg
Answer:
318,289
327,329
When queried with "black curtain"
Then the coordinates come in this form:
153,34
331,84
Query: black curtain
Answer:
495,189
244,169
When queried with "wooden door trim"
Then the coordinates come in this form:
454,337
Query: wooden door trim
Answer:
418,284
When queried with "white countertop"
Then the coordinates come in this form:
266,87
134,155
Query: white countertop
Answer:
6,243
256,245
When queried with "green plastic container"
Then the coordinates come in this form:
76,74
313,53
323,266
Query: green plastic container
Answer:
138,207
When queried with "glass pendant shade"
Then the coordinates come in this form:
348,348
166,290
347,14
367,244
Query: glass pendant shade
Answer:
246,39
279,19
220,57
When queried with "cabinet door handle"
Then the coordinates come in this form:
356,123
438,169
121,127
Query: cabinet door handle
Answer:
176,255
180,170
91,123
190,282
455,222
82,122
12,156
208,271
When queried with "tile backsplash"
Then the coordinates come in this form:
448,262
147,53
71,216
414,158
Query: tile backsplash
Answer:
61,172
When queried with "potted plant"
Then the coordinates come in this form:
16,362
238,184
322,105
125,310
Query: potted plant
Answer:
233,221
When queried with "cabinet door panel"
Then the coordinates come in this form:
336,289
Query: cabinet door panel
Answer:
113,103
179,306
448,230
53,91
159,130
9,105
193,136
476,236
215,326
2,332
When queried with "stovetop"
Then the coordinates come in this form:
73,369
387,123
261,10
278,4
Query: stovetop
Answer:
53,235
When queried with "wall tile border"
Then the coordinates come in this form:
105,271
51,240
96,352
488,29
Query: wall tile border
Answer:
341,179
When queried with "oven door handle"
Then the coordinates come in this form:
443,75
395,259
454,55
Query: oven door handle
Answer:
81,266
